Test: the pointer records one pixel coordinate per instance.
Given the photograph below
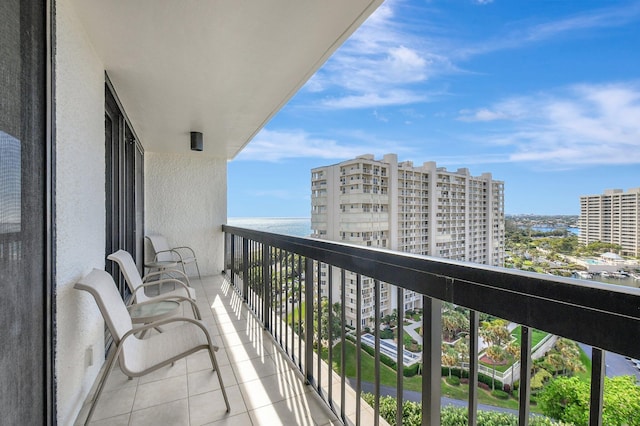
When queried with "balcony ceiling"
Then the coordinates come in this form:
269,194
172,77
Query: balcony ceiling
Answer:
221,67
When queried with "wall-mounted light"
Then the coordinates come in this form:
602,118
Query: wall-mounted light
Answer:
196,141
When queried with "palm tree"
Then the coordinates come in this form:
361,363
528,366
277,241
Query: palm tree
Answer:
555,361
569,353
449,357
497,355
453,322
495,332
462,350
513,349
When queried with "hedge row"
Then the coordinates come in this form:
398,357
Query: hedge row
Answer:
450,416
464,374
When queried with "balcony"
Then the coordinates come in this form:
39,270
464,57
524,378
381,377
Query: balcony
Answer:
263,384
602,316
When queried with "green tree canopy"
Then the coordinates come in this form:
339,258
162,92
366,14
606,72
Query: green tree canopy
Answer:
567,399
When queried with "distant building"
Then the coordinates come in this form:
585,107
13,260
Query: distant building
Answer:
422,210
613,217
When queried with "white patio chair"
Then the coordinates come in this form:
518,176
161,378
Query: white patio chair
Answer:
137,284
164,253
138,357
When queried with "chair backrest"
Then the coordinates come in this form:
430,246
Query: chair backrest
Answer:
103,289
159,244
130,272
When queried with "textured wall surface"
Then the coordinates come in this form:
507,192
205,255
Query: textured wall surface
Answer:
186,201
80,210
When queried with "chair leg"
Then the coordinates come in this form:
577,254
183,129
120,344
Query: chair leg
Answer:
108,365
196,311
198,269
214,362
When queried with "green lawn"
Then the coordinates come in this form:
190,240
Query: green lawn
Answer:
388,378
536,336
586,361
292,318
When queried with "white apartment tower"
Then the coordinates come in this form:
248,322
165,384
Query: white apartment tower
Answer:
613,217
422,210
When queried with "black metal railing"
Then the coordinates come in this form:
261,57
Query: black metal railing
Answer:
276,273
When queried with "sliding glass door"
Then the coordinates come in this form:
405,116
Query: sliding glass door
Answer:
124,187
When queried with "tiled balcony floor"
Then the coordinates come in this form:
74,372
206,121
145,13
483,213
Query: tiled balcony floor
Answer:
263,386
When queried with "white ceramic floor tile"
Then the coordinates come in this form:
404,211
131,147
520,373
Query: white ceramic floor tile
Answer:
174,413
161,391
209,407
114,403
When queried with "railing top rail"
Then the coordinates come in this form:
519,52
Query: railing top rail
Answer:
602,315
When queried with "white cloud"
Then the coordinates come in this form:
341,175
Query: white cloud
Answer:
276,146
388,60
481,114
381,64
364,100
527,33
580,125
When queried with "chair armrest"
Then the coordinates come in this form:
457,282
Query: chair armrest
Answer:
177,253
154,283
193,253
164,322
167,272
160,298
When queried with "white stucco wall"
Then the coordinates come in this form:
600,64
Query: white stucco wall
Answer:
186,201
80,209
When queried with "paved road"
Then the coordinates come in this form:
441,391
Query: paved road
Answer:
617,365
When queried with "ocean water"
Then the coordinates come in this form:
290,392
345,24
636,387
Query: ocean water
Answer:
295,226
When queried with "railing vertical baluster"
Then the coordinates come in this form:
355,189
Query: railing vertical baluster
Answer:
598,370
260,281
234,260
257,272
254,284
432,360
266,286
300,312
330,348
319,302
226,256
308,321
286,305
245,270
399,356
273,301
376,307
473,367
343,299
280,274
358,346
525,376
238,263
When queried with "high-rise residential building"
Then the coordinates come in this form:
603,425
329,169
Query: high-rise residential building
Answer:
613,217
416,209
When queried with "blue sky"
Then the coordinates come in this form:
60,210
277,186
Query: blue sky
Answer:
545,95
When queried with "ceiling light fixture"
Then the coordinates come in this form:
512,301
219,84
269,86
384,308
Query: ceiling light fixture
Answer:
196,141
